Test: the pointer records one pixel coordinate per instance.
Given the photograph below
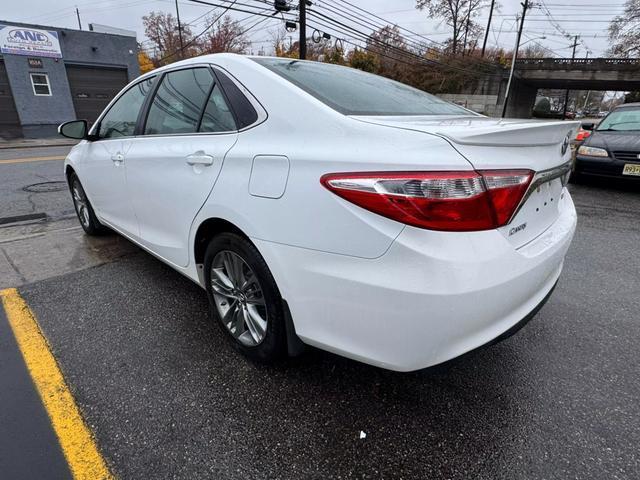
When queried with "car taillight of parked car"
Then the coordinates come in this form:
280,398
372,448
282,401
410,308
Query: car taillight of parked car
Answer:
446,201
582,135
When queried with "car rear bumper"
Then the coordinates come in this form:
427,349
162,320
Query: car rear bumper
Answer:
608,167
431,297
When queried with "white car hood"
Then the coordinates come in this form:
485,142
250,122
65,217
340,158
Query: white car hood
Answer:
483,131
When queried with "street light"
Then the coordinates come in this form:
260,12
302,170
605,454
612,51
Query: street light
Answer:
533,40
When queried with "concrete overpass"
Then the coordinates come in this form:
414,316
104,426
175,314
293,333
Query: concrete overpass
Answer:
532,74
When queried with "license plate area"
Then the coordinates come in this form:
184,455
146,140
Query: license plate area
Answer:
540,210
631,169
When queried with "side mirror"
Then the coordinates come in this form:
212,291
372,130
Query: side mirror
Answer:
76,129
588,126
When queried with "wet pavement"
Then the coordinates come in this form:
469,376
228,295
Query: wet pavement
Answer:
33,188
167,397
39,234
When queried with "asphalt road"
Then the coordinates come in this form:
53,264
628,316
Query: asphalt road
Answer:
167,397
32,183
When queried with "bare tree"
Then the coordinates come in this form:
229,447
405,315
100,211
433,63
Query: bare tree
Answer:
624,31
534,50
460,15
391,48
162,30
224,35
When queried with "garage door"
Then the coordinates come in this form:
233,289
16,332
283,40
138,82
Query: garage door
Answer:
9,121
92,88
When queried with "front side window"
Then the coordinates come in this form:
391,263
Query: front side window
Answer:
40,84
354,92
121,119
179,101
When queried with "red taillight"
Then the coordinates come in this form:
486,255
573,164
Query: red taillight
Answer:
582,134
448,201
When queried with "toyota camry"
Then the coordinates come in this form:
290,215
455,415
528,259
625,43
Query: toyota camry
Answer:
321,205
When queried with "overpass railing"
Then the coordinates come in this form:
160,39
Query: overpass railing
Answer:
577,63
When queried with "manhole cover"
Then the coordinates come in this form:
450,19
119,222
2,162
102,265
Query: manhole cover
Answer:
46,187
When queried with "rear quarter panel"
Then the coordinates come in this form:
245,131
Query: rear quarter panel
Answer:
316,140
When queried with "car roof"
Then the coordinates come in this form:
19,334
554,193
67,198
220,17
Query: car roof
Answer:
209,58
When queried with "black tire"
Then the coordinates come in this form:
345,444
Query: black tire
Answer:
273,345
83,208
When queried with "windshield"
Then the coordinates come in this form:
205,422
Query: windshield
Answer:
621,121
354,92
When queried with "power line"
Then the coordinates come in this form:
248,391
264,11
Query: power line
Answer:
358,11
193,40
397,52
416,45
234,8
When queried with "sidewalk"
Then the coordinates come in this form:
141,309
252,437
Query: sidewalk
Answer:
36,142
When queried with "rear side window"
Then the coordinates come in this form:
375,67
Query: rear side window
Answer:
245,113
217,116
121,119
179,101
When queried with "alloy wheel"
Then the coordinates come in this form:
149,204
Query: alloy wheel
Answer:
81,204
239,298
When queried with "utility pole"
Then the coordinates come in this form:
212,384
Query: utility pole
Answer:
486,33
525,6
566,93
303,29
78,15
575,44
180,31
466,30
586,100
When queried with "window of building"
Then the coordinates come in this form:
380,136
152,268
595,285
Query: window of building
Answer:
40,84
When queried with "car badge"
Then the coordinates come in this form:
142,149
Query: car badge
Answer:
565,145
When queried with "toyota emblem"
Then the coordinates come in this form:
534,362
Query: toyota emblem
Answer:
565,145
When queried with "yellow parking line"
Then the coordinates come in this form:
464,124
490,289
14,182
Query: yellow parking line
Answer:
32,159
78,445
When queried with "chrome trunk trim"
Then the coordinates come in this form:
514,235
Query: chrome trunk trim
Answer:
540,178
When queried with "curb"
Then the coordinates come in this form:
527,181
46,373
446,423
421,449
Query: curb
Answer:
9,146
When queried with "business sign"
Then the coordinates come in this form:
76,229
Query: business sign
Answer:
35,62
29,41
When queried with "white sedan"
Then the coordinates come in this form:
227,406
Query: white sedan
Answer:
322,205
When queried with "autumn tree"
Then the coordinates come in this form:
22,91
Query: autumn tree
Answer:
145,62
364,60
461,16
225,35
395,57
624,31
162,30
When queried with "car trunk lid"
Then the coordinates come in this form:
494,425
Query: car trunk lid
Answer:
494,144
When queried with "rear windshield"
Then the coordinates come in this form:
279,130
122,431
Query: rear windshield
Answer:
354,92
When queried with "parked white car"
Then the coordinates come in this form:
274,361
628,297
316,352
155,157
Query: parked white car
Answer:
322,205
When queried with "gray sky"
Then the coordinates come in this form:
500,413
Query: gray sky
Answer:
588,18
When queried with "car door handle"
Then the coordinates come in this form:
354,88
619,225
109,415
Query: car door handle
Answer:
200,158
117,158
